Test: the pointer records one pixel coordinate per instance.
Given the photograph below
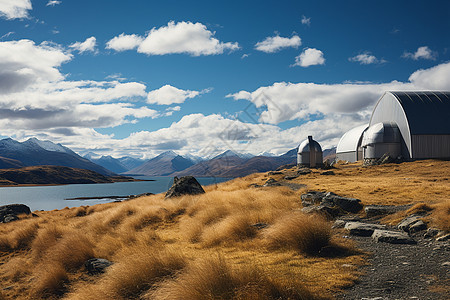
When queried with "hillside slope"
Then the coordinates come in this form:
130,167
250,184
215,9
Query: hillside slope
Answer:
50,175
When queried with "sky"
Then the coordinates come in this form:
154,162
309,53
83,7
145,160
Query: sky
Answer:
137,78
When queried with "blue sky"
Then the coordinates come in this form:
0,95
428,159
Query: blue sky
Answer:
200,77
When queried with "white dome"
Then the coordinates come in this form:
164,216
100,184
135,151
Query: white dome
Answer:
350,140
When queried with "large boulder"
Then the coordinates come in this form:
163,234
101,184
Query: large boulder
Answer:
346,205
10,212
186,185
412,224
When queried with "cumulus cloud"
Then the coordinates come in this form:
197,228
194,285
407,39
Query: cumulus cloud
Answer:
301,101
23,63
87,46
306,21
35,95
17,9
175,38
168,94
366,59
53,3
276,43
124,42
422,53
310,57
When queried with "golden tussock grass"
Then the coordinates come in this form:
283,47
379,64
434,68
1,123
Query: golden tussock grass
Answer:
133,275
49,283
213,278
305,233
441,215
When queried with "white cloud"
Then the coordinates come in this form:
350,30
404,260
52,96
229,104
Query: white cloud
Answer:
422,53
87,46
168,94
276,43
36,97
23,63
15,9
53,3
366,59
124,42
310,57
306,21
184,37
301,101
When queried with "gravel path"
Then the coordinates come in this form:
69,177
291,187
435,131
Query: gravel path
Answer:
403,271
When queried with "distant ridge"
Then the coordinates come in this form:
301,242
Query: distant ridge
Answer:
163,165
34,152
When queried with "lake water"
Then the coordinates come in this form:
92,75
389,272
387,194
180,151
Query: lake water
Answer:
53,197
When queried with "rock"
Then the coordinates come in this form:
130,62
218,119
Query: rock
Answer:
328,212
328,173
443,238
392,237
338,224
407,222
378,210
290,177
362,229
97,265
271,182
303,171
418,226
311,198
186,185
13,210
10,218
431,232
348,204
275,173
255,185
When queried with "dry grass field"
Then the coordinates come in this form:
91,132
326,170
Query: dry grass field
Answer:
207,246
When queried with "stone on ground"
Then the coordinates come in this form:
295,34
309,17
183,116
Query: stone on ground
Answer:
411,224
378,210
362,229
9,212
97,265
392,237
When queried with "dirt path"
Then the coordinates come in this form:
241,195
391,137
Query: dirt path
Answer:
403,271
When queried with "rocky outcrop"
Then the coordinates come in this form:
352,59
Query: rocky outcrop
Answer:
9,213
379,210
186,185
332,204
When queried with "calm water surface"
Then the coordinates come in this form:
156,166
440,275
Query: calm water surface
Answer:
53,197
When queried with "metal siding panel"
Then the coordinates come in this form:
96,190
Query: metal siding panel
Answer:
431,146
347,156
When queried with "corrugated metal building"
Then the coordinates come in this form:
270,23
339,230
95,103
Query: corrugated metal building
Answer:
422,118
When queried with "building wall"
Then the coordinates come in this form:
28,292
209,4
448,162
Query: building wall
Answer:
349,156
430,146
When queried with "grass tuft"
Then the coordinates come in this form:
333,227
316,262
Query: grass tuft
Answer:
441,215
213,278
305,233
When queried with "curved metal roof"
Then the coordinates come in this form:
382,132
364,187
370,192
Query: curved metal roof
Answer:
350,140
427,112
306,146
381,133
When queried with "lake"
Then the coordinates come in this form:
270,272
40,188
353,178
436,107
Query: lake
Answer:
53,197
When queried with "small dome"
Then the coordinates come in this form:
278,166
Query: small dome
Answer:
308,144
381,133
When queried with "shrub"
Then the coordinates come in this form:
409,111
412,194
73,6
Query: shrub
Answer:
305,233
232,228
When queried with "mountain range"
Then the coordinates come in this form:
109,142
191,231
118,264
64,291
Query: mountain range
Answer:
34,152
